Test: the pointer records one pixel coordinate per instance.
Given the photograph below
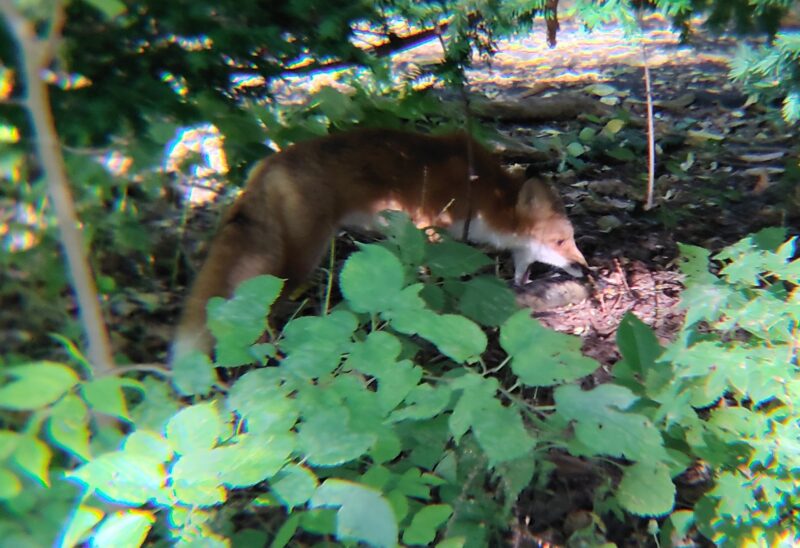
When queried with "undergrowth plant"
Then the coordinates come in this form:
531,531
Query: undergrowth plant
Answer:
391,419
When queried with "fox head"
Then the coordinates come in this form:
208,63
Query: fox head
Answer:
544,232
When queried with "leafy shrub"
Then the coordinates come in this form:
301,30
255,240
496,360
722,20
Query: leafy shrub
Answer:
383,421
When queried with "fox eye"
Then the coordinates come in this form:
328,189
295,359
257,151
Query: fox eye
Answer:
560,242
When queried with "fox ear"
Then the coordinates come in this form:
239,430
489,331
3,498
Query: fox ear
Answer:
537,198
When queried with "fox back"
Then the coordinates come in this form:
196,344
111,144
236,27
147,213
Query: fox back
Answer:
295,201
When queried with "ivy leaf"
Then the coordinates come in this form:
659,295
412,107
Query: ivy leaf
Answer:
371,279
294,485
646,489
314,344
194,428
33,456
105,395
452,259
363,514
541,357
422,529
68,426
36,385
604,427
124,528
128,478
238,322
455,336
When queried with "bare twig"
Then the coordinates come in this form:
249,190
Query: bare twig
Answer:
35,54
651,132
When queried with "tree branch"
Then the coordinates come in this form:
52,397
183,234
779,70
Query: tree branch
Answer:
35,55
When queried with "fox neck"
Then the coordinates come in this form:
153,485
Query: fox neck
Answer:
525,249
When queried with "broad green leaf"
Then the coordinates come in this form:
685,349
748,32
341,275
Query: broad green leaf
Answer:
487,300
314,345
148,443
124,528
541,357
80,523
621,153
603,426
68,426
694,262
286,531
8,443
262,402
501,433
294,485
238,322
328,439
127,478
455,336
252,459
195,478
451,259
371,279
194,428
410,241
35,385
33,456
105,395
422,529
363,514
10,486
575,149
157,408
423,402
336,105
646,489
637,344
193,374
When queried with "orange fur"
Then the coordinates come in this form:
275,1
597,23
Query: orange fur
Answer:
295,200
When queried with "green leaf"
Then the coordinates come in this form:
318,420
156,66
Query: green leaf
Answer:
111,9
68,426
286,531
314,345
621,153
363,514
127,478
487,300
80,523
423,402
541,357
124,528
603,427
36,385
252,459
196,480
8,443
410,241
371,279
105,395
575,149
263,403
238,322
33,456
10,486
422,529
193,374
451,259
150,444
455,336
646,489
294,485
194,428
328,439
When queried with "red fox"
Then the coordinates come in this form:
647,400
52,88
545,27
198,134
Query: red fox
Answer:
295,200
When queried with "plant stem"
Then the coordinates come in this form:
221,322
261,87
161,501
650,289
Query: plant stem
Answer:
35,55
